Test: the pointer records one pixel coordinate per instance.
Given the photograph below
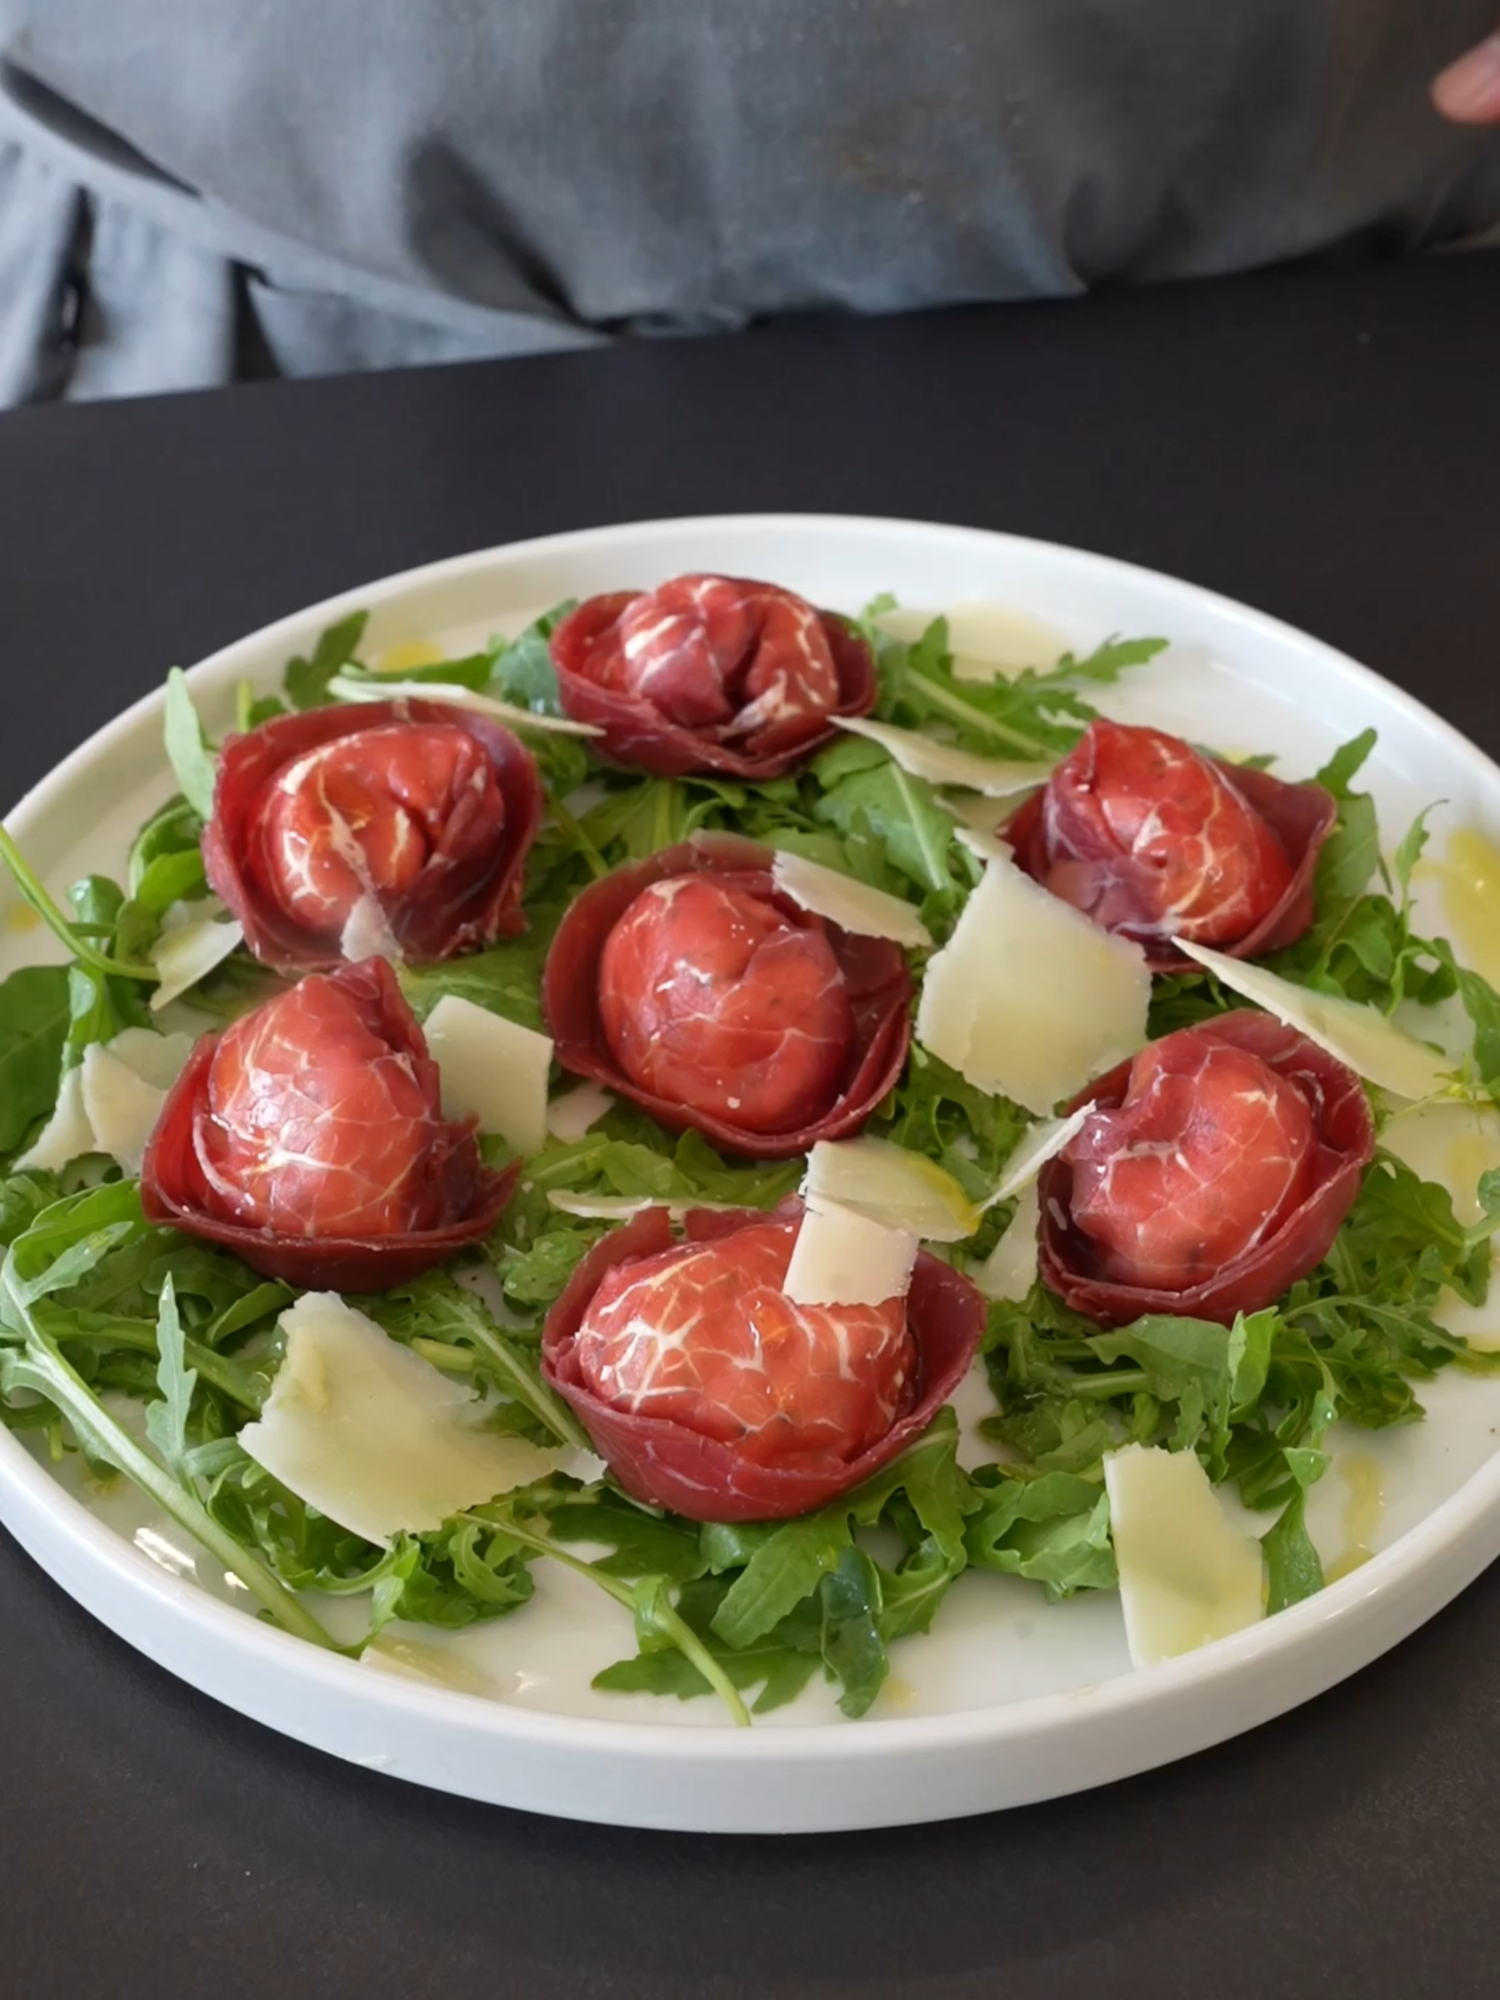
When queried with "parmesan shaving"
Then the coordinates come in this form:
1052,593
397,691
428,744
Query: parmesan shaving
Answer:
1011,1269
493,1070
853,906
577,1111
842,1258
892,1186
1352,1033
1186,1574
1028,999
945,764
347,687
372,1435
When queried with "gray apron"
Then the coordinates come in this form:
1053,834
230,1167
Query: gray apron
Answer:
192,190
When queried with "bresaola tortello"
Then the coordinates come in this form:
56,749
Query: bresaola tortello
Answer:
711,673
309,1138
1216,1172
689,983
400,822
1153,840
708,1392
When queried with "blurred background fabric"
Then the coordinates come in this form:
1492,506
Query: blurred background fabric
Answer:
194,191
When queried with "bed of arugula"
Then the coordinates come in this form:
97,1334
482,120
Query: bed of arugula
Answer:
102,1315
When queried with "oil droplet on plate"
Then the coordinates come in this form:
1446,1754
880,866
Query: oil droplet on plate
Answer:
1469,877
411,1660
410,653
1454,1145
1363,1507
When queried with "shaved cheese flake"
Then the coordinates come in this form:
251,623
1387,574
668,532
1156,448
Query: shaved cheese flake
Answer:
110,1101
347,687
67,1134
842,1258
984,846
620,1207
1011,1269
944,763
372,1435
1186,1574
157,1058
892,1186
1354,1034
121,1107
1029,999
493,1070
977,829
1041,1144
367,933
853,906
122,1097
601,1207
573,1114
188,952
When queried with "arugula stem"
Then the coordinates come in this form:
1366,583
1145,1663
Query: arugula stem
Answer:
972,717
223,1372
514,1376
682,1635
664,812
78,945
1124,1382
935,863
570,826
42,1368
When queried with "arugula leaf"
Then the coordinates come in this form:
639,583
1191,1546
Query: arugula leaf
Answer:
65,1242
790,1563
173,829
1053,1529
435,1307
187,748
522,672
1033,714
34,1014
505,978
307,680
167,1420
1293,1568
853,1645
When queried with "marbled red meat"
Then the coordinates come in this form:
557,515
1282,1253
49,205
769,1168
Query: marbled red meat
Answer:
689,983
1214,1173
711,996
708,1392
411,818
1156,841
704,1335
309,1137
711,673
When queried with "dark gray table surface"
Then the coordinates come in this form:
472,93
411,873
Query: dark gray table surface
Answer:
1323,444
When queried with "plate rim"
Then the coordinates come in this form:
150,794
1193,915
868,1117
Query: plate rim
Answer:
1451,1538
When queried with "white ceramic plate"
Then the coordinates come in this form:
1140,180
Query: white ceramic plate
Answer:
1009,1700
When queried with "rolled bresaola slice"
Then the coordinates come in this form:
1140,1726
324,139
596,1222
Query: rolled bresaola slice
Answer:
695,1410
309,1138
691,984
398,826
711,673
1154,840
1216,1173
